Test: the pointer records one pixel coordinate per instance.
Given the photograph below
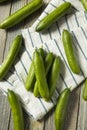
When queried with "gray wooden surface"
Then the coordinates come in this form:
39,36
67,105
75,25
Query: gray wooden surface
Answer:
76,118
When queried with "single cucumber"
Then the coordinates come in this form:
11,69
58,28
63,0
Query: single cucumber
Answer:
53,16
14,49
67,43
84,3
61,107
40,75
36,90
54,76
30,80
47,63
21,14
85,91
17,112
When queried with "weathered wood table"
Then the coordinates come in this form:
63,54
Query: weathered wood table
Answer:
76,118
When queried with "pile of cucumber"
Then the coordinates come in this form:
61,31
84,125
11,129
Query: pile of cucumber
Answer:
42,77
44,71
43,74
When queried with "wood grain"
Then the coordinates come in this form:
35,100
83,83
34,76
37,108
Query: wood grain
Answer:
82,114
11,34
4,107
76,113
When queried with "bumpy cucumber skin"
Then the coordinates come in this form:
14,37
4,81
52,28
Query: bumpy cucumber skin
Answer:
67,43
61,107
36,90
54,76
53,16
47,63
14,49
21,14
40,75
31,79
17,112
